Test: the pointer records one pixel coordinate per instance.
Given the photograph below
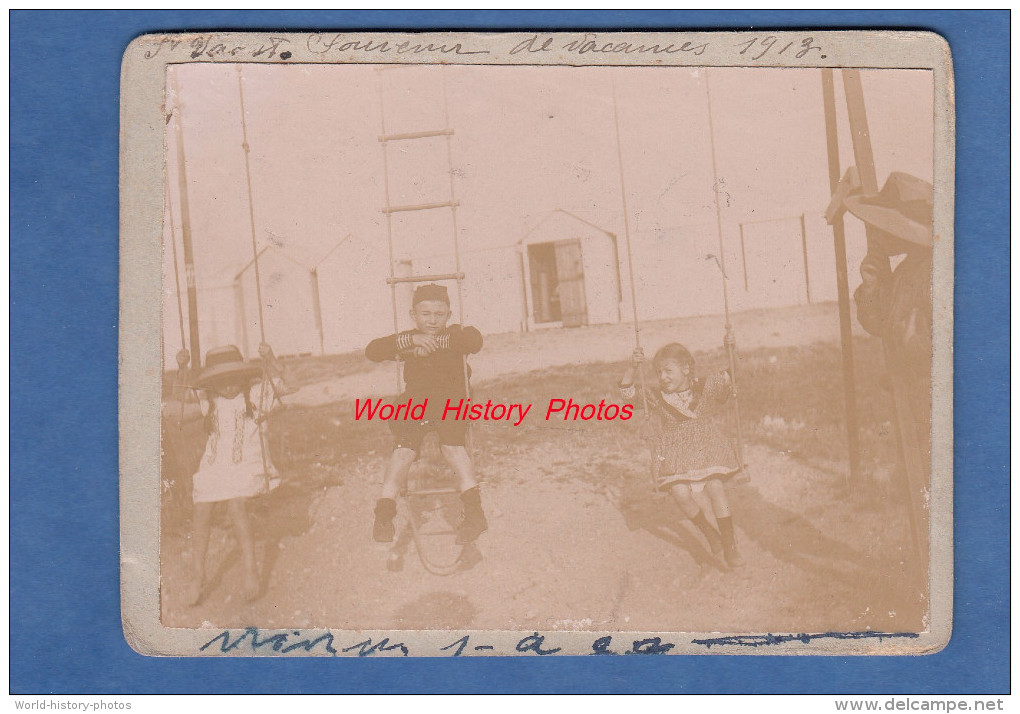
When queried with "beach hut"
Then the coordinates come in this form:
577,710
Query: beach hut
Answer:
571,273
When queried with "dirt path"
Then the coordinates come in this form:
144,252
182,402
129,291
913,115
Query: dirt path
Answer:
564,554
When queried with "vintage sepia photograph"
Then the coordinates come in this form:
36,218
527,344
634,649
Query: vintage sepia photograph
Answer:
547,348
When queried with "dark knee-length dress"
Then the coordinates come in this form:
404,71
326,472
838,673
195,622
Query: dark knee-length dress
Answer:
689,444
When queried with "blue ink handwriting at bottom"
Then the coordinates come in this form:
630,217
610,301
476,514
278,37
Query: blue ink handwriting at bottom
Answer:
652,646
279,642
367,648
770,639
533,643
461,644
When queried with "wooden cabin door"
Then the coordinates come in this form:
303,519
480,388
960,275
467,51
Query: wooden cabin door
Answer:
570,275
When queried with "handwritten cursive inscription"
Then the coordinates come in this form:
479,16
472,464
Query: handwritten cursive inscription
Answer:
591,44
770,639
213,48
254,641
280,642
758,48
321,44
326,46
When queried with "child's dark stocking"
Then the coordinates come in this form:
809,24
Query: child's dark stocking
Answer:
729,542
474,523
710,533
685,500
385,511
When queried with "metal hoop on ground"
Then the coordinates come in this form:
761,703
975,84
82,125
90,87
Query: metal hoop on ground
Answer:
425,506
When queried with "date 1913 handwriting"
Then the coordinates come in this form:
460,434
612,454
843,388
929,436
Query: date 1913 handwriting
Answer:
758,47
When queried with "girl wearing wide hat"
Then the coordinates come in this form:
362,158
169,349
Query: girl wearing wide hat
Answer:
235,465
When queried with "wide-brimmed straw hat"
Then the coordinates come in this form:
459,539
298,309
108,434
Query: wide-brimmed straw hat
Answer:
903,208
226,363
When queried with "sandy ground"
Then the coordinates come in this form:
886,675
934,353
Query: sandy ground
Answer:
577,540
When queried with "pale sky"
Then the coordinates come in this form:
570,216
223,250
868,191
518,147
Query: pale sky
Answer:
527,140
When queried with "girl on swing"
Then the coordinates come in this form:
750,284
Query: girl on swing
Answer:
692,453
235,465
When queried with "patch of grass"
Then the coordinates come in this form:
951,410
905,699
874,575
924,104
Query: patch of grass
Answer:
792,399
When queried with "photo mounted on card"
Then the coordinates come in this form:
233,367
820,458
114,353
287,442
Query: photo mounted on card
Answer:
440,344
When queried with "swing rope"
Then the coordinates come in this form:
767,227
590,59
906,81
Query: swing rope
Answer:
630,274
173,242
181,380
389,226
266,378
456,249
729,339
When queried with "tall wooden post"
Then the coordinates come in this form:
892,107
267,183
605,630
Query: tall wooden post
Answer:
803,245
317,308
743,256
913,462
842,285
189,255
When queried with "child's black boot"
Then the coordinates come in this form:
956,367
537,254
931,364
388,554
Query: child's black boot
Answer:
710,533
474,523
383,529
729,542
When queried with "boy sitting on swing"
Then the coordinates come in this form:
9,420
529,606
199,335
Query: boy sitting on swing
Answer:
434,368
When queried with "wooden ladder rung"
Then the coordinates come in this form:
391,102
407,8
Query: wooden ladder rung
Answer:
420,207
415,135
424,278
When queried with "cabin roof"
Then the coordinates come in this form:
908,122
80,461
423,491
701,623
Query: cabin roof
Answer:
262,252
534,229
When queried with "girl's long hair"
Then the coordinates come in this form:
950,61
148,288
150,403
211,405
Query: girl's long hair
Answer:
673,351
249,407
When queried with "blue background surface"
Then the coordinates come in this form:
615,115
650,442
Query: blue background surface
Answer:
64,590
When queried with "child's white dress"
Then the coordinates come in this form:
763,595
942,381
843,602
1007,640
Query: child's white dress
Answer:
232,465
